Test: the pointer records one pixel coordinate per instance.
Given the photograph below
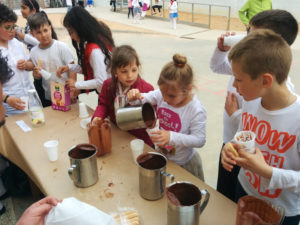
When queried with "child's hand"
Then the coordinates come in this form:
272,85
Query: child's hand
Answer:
36,73
21,64
161,137
62,70
71,83
134,94
231,104
20,35
228,159
16,103
254,162
96,120
74,92
220,44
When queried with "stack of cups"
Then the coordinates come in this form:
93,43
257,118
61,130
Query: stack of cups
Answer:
246,140
52,149
137,148
83,113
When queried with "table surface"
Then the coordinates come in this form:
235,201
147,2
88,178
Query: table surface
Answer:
117,186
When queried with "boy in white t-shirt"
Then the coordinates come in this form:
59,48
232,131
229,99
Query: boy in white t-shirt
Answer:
281,22
260,65
50,53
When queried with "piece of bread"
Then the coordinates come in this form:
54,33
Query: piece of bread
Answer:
39,63
232,149
128,217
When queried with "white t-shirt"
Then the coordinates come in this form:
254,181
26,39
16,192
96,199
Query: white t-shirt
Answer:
20,83
187,125
173,7
219,64
278,137
53,57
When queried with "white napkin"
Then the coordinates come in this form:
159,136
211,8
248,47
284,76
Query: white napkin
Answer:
74,212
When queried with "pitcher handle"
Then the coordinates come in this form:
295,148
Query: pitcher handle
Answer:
205,201
168,175
72,171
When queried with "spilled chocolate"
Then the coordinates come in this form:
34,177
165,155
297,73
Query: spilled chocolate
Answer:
82,151
151,161
183,194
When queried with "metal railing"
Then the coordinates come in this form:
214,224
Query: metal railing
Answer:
192,10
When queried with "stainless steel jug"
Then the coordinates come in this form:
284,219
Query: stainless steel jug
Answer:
185,203
135,117
83,170
152,175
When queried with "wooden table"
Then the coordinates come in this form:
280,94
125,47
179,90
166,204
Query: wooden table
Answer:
118,174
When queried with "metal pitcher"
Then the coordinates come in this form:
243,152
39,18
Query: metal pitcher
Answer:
152,175
185,203
83,170
135,117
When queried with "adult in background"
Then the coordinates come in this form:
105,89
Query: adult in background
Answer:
251,8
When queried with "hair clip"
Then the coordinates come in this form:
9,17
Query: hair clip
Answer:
180,65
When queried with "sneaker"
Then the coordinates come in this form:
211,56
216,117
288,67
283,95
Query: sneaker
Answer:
159,14
153,13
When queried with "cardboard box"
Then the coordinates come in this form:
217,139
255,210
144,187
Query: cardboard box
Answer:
60,97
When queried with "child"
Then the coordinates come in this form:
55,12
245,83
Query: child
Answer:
130,8
93,43
14,51
48,55
283,23
125,76
182,117
173,13
136,10
145,8
158,6
271,173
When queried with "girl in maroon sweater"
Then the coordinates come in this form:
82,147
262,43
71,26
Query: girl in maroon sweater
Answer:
125,76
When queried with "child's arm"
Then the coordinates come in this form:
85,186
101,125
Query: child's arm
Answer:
243,14
14,102
103,107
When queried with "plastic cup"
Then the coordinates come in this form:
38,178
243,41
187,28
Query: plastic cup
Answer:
25,99
45,74
52,149
84,122
83,113
246,140
137,148
233,39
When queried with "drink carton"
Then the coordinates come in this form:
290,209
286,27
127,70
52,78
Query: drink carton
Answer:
60,96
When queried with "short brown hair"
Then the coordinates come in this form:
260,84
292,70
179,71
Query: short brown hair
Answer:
177,70
263,51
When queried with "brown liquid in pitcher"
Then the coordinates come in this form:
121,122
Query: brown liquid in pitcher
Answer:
82,151
149,115
151,161
183,194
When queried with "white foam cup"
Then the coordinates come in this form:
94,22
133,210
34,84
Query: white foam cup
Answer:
45,74
52,149
233,39
137,148
246,140
83,110
25,99
84,122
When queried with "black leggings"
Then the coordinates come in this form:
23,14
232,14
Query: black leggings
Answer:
113,2
130,10
156,7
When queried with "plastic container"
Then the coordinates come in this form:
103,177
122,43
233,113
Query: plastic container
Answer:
35,109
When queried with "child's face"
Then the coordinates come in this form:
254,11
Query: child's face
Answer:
127,75
73,34
25,10
174,95
43,35
7,31
245,86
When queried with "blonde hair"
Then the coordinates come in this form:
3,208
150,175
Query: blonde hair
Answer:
177,70
263,51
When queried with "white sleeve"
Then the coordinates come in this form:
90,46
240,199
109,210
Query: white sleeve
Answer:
283,179
152,97
235,119
29,39
99,69
197,135
219,62
75,68
66,54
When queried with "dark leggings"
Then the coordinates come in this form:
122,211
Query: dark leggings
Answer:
288,220
113,2
130,10
156,7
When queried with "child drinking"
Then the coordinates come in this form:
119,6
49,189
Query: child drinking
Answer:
125,76
181,115
48,55
93,42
